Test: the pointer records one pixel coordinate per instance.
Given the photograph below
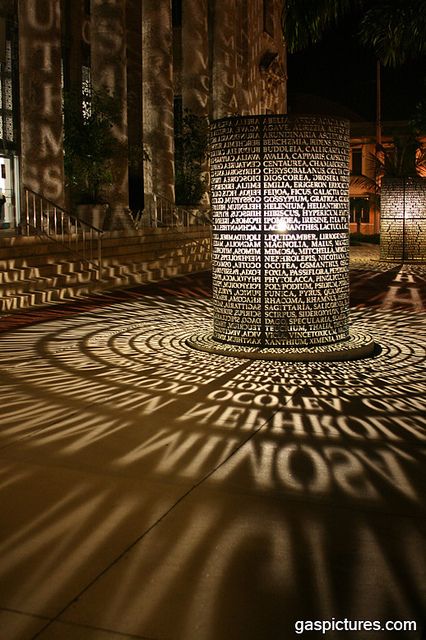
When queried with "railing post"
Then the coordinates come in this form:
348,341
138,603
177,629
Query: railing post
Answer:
62,227
83,239
27,211
34,213
155,220
99,256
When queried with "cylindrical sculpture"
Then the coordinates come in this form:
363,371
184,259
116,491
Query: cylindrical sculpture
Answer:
403,219
280,230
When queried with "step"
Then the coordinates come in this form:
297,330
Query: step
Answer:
13,274
23,250
34,292
34,298
43,283
42,275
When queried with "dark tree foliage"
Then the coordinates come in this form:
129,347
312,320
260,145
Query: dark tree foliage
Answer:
305,21
394,29
406,158
89,145
191,142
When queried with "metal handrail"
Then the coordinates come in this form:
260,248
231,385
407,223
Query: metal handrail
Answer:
161,212
50,220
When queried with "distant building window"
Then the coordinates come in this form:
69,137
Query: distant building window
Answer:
268,17
6,96
357,162
86,92
176,13
360,210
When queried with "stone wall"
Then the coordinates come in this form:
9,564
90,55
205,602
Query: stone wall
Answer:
42,164
157,254
165,252
219,58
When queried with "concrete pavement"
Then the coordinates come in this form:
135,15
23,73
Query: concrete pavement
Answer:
151,491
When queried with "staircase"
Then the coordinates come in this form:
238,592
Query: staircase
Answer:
62,258
35,271
53,223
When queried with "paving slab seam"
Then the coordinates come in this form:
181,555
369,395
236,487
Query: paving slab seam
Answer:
25,613
402,355
103,629
58,616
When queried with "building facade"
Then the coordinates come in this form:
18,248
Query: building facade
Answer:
367,173
159,59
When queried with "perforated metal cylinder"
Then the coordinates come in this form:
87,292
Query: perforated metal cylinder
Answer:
403,219
280,199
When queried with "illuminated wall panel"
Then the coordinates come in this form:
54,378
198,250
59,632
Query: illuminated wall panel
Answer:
108,67
403,219
280,230
42,153
157,98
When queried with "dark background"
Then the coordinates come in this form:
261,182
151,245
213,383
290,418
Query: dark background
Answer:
343,70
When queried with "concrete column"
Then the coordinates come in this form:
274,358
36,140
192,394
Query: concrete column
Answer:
224,59
72,28
108,57
42,159
195,69
158,132
244,58
271,65
134,102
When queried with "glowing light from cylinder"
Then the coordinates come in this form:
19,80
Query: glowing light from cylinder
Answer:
280,199
403,219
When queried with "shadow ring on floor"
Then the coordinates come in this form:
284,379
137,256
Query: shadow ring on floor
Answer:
359,345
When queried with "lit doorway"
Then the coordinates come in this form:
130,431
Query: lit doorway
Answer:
8,180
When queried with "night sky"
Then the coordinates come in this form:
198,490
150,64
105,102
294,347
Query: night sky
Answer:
342,70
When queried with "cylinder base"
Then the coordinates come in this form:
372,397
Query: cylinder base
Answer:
358,345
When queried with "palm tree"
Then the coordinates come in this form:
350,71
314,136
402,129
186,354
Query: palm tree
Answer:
405,159
395,30
304,21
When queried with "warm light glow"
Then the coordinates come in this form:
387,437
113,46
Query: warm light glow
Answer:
282,226
283,456
274,177
403,219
